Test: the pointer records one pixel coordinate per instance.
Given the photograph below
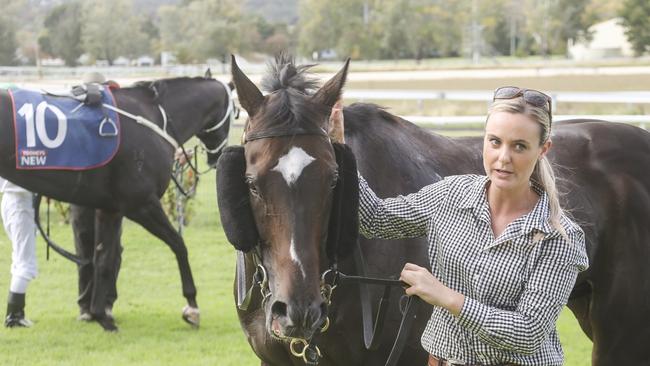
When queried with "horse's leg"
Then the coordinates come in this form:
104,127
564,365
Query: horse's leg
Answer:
152,217
107,233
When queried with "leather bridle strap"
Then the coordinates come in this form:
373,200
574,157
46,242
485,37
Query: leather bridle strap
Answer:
372,330
281,132
64,253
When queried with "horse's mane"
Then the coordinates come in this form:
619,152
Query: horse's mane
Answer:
289,104
158,88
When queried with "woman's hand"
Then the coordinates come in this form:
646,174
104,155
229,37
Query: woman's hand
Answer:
425,285
337,125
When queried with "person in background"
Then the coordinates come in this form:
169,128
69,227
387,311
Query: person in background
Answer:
18,218
83,223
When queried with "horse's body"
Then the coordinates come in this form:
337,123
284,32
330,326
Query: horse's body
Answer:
133,181
602,168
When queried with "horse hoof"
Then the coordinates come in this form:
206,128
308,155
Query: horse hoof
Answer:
192,316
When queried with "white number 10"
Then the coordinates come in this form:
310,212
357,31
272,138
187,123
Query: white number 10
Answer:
27,112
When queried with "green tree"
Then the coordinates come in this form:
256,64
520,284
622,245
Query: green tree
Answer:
346,26
62,33
201,29
636,20
7,43
552,22
111,29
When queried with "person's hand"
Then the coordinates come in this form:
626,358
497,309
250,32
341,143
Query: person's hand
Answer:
425,285
336,124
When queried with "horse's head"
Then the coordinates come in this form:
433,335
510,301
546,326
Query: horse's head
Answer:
200,106
282,193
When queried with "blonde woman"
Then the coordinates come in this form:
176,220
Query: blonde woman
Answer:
504,257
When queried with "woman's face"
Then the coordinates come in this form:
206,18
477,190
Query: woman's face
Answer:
511,148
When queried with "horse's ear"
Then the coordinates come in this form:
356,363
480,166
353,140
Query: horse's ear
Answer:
329,93
250,97
208,74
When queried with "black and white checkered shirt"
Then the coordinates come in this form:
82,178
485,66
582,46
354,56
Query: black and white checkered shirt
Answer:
515,285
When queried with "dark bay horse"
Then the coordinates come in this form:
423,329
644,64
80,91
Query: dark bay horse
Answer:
282,184
131,184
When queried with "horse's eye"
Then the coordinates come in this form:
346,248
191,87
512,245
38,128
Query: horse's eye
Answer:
251,186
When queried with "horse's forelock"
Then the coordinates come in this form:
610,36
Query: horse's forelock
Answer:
290,109
284,74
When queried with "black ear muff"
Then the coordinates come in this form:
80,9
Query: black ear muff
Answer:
344,218
234,203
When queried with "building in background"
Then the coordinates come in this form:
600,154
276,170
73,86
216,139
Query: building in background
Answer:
608,40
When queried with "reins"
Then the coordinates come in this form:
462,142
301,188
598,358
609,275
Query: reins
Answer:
50,243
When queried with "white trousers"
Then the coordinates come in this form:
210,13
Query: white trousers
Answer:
18,218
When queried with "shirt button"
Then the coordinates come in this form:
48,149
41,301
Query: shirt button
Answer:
477,277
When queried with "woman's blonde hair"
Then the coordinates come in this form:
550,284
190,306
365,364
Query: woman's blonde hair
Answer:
543,173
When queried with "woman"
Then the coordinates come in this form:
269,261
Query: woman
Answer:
504,257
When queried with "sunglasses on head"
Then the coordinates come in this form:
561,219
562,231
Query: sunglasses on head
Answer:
533,97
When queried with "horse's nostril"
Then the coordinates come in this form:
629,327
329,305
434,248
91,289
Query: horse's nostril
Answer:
316,315
279,309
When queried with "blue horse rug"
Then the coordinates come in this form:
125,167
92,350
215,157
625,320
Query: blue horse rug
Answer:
61,133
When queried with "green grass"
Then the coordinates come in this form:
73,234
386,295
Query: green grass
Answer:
150,301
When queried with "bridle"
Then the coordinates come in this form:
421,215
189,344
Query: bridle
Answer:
331,278
228,117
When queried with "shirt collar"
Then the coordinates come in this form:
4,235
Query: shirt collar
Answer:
537,219
476,195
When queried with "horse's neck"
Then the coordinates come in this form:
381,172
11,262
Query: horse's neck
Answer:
417,156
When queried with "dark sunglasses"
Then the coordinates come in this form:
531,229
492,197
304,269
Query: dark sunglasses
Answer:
533,97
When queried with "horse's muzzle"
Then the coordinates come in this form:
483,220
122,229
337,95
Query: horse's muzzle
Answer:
295,321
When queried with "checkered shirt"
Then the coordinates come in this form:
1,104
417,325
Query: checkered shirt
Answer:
515,285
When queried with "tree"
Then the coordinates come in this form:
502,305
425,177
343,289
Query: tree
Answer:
346,26
636,20
110,29
62,36
201,29
553,22
7,43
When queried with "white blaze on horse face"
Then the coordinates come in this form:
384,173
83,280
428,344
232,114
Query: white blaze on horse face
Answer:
292,164
294,257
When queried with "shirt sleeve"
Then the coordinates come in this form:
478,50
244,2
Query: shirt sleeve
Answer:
398,217
525,329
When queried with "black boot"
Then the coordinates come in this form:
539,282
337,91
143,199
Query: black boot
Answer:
16,311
